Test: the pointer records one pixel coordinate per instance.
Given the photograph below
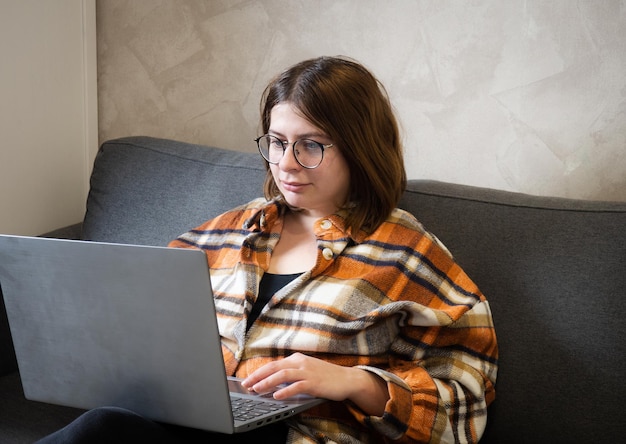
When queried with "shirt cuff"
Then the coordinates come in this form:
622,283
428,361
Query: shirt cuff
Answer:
395,419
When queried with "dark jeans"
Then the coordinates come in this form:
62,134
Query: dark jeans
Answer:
116,425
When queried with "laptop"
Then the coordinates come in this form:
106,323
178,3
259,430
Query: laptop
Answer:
100,324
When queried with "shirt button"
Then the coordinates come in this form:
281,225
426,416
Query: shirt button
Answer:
327,253
326,224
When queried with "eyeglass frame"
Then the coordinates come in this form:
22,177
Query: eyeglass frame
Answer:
286,144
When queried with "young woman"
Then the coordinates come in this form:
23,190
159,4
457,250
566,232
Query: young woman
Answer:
328,288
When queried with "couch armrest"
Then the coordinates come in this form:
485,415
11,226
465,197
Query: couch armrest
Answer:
74,231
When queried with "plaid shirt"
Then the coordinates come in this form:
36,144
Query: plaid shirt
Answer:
393,302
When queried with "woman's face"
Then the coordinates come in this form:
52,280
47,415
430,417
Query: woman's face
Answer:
319,191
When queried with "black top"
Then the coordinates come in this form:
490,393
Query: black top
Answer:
269,285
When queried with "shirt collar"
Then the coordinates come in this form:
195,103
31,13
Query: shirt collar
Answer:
264,218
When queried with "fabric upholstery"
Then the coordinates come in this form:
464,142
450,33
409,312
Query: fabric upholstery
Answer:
554,272
148,191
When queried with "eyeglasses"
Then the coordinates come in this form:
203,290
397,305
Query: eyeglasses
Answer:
308,153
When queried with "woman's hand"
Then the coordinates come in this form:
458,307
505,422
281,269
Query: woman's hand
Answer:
303,374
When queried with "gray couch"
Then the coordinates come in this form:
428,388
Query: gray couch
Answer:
553,269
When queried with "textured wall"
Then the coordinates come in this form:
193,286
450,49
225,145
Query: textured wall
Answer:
527,96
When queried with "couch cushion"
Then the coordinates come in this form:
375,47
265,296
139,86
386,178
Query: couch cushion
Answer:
148,191
554,273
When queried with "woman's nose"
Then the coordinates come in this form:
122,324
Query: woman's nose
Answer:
288,161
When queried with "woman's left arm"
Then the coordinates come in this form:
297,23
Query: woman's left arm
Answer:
443,395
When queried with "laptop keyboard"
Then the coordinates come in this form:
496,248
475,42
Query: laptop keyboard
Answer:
245,408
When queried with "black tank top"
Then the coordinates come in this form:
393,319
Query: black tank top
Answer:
269,285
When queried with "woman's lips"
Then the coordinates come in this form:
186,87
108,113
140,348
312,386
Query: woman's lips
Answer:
293,186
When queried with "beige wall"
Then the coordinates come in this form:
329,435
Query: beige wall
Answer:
519,95
48,120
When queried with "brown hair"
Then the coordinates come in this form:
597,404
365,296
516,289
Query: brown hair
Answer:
343,99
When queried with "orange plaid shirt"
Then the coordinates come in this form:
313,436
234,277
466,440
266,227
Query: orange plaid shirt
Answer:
394,303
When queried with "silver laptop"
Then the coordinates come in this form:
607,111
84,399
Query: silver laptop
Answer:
97,324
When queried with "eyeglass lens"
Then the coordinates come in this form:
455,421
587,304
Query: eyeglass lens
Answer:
307,152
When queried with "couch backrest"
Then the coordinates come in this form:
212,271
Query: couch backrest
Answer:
148,191
554,271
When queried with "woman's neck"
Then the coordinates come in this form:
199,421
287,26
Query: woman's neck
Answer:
296,250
